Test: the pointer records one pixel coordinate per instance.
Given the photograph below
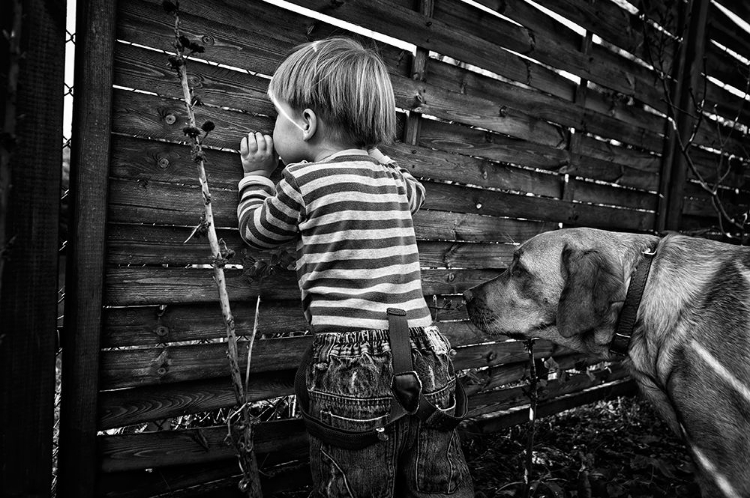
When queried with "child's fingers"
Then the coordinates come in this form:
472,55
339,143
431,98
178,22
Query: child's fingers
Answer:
260,141
269,142
248,145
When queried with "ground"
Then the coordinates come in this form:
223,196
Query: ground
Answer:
615,449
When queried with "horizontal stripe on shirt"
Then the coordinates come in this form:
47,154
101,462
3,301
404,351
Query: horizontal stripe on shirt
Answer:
358,254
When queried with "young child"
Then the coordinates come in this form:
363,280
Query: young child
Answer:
381,413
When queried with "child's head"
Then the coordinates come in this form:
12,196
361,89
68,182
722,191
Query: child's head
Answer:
345,84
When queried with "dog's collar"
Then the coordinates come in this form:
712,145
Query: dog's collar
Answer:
626,322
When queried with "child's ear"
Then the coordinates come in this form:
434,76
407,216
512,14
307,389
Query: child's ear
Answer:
311,124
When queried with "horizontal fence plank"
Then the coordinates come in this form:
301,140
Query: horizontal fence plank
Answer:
182,322
727,104
727,32
724,67
147,160
252,36
519,415
184,447
157,285
607,151
553,44
139,245
124,407
611,168
148,70
484,383
425,98
495,203
627,124
605,19
151,325
442,225
219,478
508,363
166,364
154,202
138,114
732,172
503,353
506,399
150,160
122,368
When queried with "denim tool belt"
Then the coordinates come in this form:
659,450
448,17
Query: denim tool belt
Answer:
406,388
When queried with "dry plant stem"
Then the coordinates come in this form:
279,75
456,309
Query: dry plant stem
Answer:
243,444
8,138
533,399
684,146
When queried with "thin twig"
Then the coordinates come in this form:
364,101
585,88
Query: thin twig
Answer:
243,443
533,401
685,146
252,340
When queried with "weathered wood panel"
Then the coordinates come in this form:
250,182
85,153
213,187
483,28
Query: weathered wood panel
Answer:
628,124
147,450
494,136
152,325
505,399
607,163
148,245
149,286
139,404
121,368
556,45
152,202
180,447
520,414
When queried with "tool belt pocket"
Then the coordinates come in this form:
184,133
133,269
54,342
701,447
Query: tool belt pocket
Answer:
442,409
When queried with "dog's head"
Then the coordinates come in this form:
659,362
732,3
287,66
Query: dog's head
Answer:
565,286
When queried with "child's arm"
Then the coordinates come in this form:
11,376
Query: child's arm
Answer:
414,189
267,214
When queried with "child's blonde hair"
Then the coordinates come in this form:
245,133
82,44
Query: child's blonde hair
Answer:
345,84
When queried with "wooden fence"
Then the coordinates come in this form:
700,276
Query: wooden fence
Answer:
515,122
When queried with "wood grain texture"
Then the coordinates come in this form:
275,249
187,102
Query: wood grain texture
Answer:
92,122
32,114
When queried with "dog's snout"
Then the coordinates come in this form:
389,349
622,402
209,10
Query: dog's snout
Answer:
468,295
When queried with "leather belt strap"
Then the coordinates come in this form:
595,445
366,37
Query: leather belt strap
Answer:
406,386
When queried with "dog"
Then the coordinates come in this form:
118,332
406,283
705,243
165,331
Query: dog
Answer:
689,339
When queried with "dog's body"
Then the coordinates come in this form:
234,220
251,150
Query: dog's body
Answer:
690,347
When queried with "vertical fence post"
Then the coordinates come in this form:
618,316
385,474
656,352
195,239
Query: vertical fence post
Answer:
29,280
92,115
674,172
411,131
574,140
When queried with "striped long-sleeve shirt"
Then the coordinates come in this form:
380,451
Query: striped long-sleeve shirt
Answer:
356,248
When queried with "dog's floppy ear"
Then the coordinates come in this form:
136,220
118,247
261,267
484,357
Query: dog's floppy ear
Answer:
591,284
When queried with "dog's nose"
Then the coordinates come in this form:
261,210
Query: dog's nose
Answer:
468,296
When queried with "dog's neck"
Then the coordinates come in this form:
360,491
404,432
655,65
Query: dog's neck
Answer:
638,269
626,321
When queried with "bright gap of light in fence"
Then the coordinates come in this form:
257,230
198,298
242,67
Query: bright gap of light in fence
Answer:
344,24
70,49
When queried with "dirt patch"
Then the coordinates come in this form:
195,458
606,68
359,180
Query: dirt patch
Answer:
615,449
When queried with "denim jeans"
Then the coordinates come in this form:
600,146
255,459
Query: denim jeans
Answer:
348,380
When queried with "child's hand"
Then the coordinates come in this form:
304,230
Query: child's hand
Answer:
257,154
